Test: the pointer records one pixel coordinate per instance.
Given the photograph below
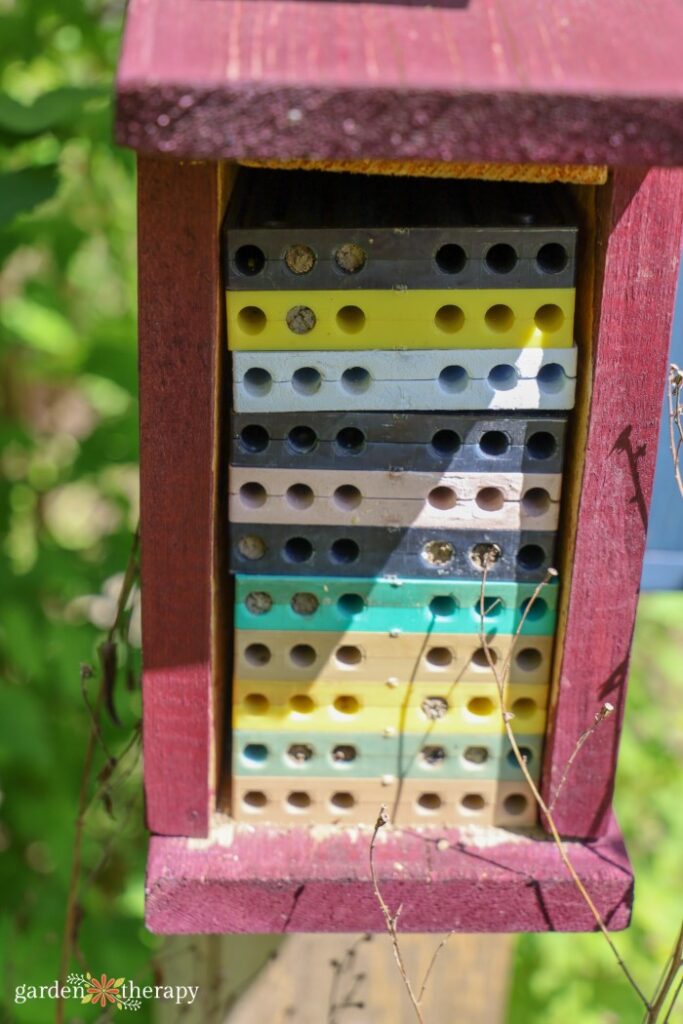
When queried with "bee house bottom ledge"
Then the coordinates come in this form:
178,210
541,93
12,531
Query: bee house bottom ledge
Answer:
264,879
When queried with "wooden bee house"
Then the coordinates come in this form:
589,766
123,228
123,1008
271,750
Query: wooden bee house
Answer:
406,285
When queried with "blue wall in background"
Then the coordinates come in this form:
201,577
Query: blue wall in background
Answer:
663,569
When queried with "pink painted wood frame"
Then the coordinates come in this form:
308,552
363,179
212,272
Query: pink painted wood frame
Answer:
265,880
455,80
181,352
640,244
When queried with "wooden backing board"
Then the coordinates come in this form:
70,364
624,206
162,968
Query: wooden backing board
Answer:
305,979
457,80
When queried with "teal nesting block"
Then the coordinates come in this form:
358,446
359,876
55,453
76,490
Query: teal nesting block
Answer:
319,603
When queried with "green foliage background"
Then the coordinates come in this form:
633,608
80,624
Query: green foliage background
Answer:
68,505
68,496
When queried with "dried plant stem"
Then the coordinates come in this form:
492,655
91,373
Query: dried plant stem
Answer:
94,739
391,920
666,984
676,420
604,712
432,962
507,716
72,898
673,1002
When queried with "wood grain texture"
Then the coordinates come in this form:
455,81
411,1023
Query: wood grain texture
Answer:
470,981
639,240
293,979
569,82
179,324
577,174
301,880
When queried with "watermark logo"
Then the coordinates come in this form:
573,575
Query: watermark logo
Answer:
105,991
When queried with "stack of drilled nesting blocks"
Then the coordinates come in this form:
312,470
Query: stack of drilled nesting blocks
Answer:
403,366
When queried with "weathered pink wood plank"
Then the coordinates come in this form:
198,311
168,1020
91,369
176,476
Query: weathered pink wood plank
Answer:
268,880
179,328
631,344
531,81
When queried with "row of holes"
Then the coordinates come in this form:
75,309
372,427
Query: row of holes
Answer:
501,258
259,602
258,655
356,380
434,554
433,708
534,502
299,801
432,756
352,441
449,319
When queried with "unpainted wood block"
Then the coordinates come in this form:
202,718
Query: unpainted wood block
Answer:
389,318
281,801
319,603
398,658
528,378
375,755
497,501
372,707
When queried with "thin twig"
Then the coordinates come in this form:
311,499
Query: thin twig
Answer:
673,1002
72,898
86,675
401,770
72,903
600,716
676,420
430,968
666,984
507,717
121,777
391,920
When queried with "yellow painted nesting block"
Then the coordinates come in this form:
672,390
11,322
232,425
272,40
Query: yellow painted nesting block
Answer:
315,801
386,709
363,658
412,319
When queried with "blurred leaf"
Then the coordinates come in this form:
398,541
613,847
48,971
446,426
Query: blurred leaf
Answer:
42,328
106,397
21,191
51,110
23,729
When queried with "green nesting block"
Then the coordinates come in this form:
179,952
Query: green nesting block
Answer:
320,603
364,755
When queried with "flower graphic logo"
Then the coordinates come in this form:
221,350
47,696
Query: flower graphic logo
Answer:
103,991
